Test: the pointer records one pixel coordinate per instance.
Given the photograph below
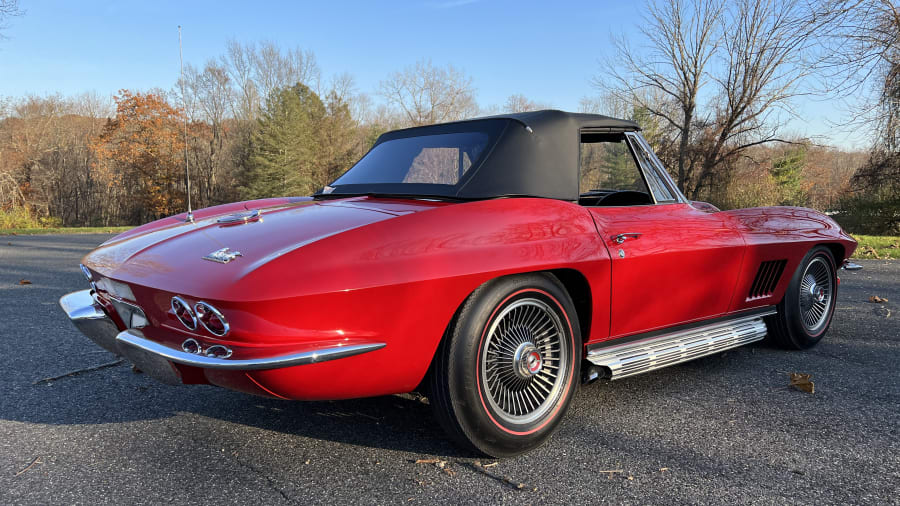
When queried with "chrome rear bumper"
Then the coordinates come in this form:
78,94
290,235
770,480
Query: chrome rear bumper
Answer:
133,339
89,317
157,359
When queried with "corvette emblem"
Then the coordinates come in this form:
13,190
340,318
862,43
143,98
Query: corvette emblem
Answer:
223,256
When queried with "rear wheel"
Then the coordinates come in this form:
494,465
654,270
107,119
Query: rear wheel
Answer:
805,311
507,369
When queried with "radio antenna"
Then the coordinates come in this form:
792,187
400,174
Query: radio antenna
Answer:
187,172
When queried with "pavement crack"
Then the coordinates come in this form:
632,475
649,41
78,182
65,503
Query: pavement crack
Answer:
270,482
78,372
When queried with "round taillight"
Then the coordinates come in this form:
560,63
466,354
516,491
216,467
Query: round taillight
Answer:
182,311
211,319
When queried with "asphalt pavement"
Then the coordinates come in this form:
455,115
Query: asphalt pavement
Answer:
722,429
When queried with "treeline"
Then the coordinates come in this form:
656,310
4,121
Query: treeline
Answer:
711,87
261,121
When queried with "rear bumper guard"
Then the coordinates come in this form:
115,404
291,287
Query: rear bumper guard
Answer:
851,266
89,317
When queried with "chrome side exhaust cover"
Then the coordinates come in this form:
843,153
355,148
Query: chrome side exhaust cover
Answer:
676,347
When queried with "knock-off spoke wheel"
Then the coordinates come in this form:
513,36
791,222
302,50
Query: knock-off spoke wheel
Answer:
522,358
804,313
507,369
815,294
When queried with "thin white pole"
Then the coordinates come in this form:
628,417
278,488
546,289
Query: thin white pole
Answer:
187,173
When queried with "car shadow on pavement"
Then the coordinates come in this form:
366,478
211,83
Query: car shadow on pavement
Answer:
117,395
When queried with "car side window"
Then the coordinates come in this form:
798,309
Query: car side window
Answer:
610,174
607,164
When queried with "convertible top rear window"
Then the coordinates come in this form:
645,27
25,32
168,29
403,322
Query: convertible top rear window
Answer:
428,159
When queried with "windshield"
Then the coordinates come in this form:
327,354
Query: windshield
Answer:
434,162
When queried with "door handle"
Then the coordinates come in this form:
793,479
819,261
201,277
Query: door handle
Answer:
620,238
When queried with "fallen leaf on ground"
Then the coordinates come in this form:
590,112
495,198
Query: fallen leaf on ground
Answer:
663,469
24,282
427,461
876,299
802,382
870,250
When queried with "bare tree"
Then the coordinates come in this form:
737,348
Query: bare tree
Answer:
521,103
8,9
681,42
863,64
865,59
238,59
753,53
258,70
277,68
767,48
425,94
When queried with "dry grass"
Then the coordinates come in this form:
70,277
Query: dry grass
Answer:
877,246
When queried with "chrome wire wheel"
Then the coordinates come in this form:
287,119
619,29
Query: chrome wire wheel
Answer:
524,361
816,294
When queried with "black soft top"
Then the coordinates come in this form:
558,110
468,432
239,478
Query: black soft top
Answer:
533,154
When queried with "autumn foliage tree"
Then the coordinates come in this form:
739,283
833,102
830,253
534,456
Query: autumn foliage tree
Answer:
139,156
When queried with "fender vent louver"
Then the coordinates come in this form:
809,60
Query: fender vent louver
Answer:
766,279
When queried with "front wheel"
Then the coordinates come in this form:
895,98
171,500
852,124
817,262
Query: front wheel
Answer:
509,365
805,311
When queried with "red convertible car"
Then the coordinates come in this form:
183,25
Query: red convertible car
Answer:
494,264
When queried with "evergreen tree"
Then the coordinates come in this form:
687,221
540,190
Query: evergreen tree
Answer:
787,171
339,139
285,145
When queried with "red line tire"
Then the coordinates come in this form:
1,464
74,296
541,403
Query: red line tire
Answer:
802,319
509,365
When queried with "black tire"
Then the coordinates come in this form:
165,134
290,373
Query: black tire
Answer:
802,318
499,315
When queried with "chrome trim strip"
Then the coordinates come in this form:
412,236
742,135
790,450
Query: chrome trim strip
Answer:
661,169
681,346
851,266
135,339
643,166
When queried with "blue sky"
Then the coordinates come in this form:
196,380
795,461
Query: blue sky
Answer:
547,51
